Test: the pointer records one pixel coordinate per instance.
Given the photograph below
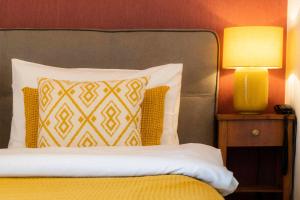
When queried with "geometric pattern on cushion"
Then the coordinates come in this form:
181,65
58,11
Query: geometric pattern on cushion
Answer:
89,114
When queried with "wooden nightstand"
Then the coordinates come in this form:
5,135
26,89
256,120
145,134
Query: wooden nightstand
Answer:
255,131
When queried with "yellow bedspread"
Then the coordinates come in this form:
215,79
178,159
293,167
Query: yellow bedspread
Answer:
173,187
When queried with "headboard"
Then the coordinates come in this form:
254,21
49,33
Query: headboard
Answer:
198,50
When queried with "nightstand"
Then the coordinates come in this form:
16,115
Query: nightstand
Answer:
260,131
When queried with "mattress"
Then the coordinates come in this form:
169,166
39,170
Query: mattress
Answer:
165,187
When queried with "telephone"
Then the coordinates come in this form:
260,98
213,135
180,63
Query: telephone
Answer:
284,109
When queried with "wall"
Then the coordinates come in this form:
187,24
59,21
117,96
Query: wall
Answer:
293,76
210,14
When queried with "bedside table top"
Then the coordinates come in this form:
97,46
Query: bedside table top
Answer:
268,116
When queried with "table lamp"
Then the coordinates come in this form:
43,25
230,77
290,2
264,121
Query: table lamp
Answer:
252,50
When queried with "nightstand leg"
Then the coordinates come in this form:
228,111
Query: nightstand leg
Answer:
287,179
224,154
222,140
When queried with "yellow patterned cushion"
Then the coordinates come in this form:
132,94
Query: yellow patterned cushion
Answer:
151,124
85,114
153,115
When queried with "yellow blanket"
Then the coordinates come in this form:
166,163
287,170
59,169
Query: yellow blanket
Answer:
173,187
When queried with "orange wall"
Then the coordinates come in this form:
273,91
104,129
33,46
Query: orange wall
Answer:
210,14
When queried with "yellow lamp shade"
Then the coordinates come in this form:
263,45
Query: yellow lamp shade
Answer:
253,46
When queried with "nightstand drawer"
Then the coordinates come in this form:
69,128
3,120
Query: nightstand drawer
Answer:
255,133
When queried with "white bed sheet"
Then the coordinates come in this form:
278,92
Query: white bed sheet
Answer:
195,160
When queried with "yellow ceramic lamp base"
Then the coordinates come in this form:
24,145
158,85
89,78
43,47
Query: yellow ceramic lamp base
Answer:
250,90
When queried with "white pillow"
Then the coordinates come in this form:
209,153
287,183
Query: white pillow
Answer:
26,74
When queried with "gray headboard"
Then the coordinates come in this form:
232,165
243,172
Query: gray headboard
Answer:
198,50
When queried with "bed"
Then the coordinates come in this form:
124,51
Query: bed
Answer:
186,171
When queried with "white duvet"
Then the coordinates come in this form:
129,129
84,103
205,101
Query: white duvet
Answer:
195,160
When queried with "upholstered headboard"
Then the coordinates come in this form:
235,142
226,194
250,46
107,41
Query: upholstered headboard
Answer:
198,50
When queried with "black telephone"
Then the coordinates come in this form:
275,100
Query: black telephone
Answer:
284,109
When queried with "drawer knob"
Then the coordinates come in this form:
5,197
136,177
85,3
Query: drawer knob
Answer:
255,132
